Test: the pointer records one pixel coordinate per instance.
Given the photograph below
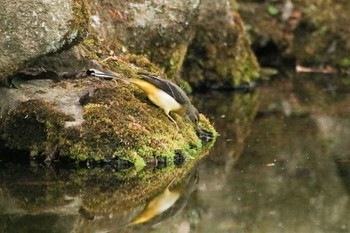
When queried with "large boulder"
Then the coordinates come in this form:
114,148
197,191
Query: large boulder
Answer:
219,56
30,29
87,119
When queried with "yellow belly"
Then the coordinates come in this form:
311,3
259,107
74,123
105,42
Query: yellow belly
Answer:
157,96
164,101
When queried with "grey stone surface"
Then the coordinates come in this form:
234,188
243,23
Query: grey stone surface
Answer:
32,28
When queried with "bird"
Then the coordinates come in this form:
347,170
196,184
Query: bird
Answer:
166,95
161,92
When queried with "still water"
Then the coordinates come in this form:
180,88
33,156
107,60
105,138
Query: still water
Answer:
281,164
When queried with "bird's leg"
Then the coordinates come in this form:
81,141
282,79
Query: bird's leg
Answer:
172,119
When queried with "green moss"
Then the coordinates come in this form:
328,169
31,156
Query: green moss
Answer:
80,23
176,60
133,157
142,62
272,9
220,60
42,122
222,68
88,48
121,123
344,62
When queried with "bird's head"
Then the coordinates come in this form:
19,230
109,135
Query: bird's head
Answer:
193,114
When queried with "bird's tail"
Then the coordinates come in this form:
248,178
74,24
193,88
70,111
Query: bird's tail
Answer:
105,75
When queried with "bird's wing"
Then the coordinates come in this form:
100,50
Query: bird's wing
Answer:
168,87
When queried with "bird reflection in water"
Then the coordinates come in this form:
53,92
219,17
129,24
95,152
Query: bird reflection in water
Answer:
166,204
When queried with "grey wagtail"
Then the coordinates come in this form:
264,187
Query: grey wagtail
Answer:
163,93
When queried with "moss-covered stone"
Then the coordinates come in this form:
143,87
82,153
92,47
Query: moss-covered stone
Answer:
119,122
219,55
32,127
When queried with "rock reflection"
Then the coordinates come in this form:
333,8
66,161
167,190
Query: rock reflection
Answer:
46,199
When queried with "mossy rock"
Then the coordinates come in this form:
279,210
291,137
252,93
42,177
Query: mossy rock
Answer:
89,119
220,55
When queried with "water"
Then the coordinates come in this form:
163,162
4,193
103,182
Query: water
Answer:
281,164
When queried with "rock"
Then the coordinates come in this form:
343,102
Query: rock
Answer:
162,30
88,119
30,29
219,55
